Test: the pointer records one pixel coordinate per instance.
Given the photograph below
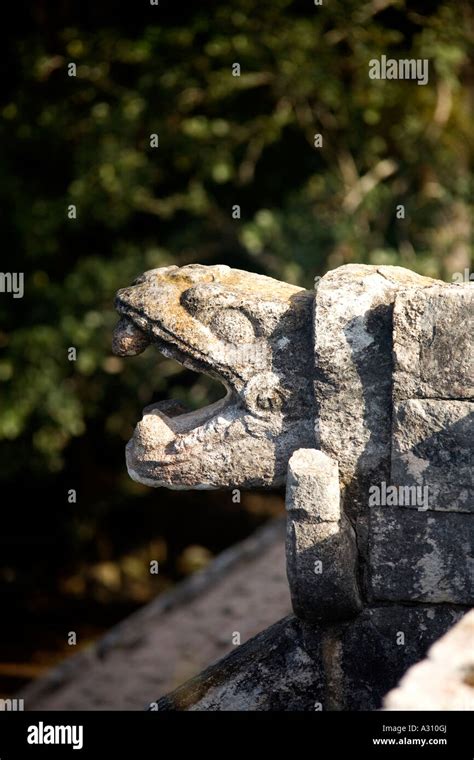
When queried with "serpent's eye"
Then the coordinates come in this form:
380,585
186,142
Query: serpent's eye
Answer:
213,305
233,326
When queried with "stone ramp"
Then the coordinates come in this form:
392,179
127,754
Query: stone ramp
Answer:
176,636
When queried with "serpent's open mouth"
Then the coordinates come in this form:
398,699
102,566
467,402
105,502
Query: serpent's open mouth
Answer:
130,340
167,431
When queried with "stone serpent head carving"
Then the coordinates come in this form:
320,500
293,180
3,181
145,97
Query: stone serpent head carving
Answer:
250,332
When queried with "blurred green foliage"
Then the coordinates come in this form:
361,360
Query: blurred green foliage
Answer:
223,140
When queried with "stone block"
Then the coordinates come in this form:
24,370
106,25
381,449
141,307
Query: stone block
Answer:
321,549
420,556
432,448
433,348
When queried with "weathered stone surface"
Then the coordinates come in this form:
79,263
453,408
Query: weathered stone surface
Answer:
432,343
432,447
381,644
249,331
321,562
320,546
421,556
445,679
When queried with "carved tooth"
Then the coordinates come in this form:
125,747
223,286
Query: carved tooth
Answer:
153,431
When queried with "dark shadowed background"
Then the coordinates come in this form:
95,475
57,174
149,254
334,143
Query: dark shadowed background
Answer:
223,140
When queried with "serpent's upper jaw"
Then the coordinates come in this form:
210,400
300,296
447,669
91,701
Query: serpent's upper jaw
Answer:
250,332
